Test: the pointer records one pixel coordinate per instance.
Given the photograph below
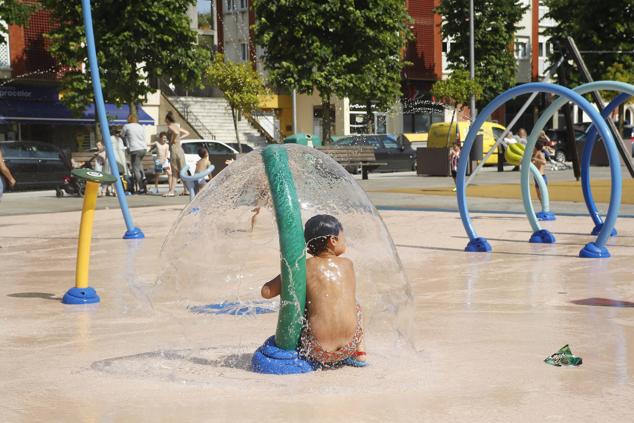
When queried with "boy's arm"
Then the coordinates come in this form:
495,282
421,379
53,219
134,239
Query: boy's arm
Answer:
272,288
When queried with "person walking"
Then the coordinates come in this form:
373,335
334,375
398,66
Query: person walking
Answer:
177,156
119,154
134,136
162,163
5,173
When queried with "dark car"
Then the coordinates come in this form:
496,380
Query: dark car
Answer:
559,137
35,165
399,156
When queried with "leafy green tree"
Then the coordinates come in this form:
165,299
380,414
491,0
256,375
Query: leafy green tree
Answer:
340,48
495,26
456,91
136,42
240,84
13,12
601,26
379,32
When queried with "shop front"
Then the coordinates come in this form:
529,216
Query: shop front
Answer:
35,113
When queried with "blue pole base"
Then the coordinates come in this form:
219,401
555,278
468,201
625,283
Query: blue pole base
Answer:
545,216
592,250
598,228
543,236
478,245
81,296
134,233
272,360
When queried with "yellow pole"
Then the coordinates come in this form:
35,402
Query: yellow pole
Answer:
85,234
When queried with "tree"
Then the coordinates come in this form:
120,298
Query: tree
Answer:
241,86
495,26
380,31
343,48
136,42
13,12
456,91
604,27
619,72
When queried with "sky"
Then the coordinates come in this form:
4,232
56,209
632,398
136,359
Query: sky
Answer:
204,6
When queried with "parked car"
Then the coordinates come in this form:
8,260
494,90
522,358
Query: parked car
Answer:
218,152
35,165
244,148
490,130
559,137
399,156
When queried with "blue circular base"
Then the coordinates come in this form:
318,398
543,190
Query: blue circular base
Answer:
592,250
543,236
270,359
134,233
234,308
81,296
598,228
545,216
478,245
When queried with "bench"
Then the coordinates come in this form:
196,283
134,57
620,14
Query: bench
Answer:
353,157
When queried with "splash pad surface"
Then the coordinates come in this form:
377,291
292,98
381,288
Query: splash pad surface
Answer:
483,325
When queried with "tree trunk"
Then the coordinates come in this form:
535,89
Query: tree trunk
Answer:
133,110
370,117
235,127
453,115
325,119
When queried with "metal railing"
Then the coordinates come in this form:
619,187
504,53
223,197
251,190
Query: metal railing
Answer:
185,111
258,127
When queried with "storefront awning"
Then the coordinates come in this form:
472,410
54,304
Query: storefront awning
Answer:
14,109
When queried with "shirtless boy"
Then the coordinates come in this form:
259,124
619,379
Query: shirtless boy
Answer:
333,333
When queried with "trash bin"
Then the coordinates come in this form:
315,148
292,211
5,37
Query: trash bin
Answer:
303,139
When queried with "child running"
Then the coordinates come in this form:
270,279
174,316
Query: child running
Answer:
333,333
454,157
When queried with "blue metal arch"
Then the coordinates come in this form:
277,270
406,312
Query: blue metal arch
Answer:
481,244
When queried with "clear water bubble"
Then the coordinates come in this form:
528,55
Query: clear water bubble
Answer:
224,247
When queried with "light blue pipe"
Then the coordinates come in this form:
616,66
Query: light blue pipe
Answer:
132,231
481,244
191,181
585,162
543,188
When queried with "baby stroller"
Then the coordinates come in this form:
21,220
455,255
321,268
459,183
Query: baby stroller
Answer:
71,185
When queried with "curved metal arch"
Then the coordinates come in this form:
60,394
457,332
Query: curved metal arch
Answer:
480,244
603,233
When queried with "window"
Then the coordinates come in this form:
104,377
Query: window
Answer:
521,48
234,5
230,6
218,149
243,4
191,147
46,152
244,52
390,144
541,49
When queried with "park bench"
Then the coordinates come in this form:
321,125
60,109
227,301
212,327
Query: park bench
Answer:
354,157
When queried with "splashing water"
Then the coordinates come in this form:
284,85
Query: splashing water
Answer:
226,251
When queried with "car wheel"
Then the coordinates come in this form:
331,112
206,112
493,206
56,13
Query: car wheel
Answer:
560,156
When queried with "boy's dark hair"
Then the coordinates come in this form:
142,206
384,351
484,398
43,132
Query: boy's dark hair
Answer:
539,145
318,230
162,133
202,152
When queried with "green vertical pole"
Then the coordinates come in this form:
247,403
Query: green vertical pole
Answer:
292,247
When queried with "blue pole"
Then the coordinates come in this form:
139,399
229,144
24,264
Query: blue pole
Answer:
132,232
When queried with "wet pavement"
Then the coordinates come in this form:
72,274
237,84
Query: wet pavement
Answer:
483,325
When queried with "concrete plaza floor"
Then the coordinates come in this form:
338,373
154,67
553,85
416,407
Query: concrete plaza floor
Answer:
483,325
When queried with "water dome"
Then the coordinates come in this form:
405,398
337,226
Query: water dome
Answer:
225,245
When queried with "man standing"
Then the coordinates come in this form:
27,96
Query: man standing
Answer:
134,137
